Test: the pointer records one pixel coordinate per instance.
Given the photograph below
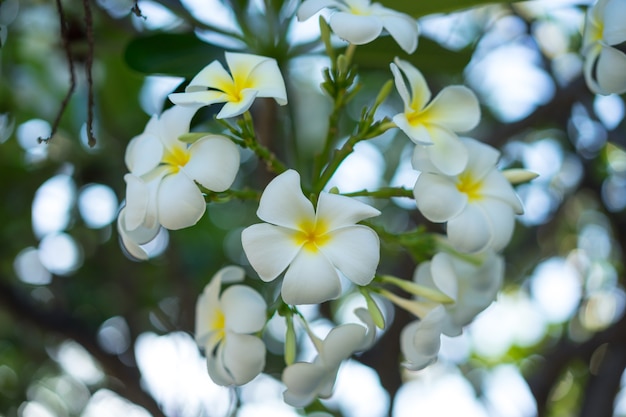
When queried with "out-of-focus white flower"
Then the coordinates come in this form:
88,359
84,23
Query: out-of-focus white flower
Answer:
133,239
311,245
7,124
360,21
605,65
472,288
251,76
479,203
306,381
161,187
433,126
224,329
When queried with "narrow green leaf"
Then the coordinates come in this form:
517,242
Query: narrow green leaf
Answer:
180,54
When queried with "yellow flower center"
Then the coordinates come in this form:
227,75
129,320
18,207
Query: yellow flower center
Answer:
312,235
218,324
232,89
176,158
469,186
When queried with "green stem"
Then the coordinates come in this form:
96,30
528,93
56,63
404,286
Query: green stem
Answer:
250,141
385,192
416,289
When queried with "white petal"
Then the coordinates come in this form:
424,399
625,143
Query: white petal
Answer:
341,343
470,231
198,98
401,86
418,133
447,153
244,357
611,71
337,211
283,202
144,153
244,309
269,249
214,162
455,107
482,157
309,7
212,76
496,186
437,198
356,29
614,17
180,202
501,220
589,68
355,251
310,279
303,381
216,366
444,275
403,29
231,274
420,340
420,93
137,200
258,73
174,122
236,108
133,239
207,308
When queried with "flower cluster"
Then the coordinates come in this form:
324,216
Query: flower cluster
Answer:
315,244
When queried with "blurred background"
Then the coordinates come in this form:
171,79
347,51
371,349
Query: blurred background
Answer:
87,331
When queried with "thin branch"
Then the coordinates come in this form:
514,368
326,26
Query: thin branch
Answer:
91,140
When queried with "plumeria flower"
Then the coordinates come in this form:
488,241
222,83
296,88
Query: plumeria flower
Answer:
310,244
225,327
433,125
478,204
132,240
605,65
472,288
307,381
360,22
161,186
251,76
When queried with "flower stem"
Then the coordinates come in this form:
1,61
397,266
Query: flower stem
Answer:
385,192
417,289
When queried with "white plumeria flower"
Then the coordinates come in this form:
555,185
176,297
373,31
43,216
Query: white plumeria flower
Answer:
472,288
605,65
360,22
479,204
433,126
307,381
251,76
224,329
311,245
161,186
133,239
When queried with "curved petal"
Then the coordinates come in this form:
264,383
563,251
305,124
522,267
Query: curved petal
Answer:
216,366
444,275
339,211
356,29
131,240
310,279
143,153
303,381
420,340
482,158
611,70
267,80
179,201
283,202
401,86
437,198
212,76
355,251
501,221
270,249
174,122
309,7
455,107
614,15
420,93
403,29
137,200
589,67
231,274
235,108
447,153
214,162
198,98
244,309
470,231
207,309
244,357
341,343
418,133
495,186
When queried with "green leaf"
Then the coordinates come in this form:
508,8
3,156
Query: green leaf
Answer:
419,8
182,54
429,56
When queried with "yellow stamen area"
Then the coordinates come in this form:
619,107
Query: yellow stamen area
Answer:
218,324
240,81
416,118
469,186
312,235
176,158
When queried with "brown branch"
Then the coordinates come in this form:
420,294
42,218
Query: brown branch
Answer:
125,380
91,140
